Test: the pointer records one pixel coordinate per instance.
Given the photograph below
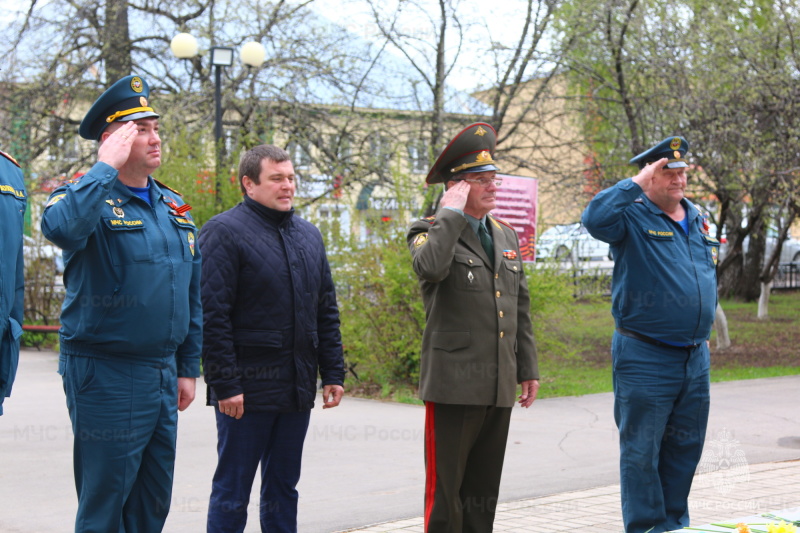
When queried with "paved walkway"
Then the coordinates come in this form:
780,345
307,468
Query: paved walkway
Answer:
717,497
363,461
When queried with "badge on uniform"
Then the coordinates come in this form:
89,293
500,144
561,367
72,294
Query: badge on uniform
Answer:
714,254
119,212
177,210
190,238
421,239
510,254
55,199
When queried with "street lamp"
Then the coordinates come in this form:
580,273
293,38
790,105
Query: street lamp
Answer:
253,54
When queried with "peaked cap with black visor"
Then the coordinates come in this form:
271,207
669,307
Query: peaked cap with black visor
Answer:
472,150
124,101
673,148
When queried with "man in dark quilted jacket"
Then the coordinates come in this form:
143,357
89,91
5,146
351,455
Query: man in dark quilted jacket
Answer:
271,325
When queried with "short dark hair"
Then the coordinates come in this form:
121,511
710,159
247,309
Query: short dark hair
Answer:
250,162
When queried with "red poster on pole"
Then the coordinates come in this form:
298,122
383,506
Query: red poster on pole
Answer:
518,204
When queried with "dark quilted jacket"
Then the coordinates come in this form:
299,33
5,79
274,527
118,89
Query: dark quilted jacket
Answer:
269,309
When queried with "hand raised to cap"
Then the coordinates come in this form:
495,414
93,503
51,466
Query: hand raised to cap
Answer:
456,196
116,147
644,178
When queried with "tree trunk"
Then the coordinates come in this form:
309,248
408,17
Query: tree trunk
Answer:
721,325
116,41
763,301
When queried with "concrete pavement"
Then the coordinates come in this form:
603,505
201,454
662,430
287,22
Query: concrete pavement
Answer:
363,461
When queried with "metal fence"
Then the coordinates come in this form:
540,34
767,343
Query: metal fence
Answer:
597,279
788,276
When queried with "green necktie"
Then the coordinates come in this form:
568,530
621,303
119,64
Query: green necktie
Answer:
486,241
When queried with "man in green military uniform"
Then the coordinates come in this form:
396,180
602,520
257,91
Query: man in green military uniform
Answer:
13,201
478,342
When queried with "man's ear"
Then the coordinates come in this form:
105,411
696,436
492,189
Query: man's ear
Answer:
247,182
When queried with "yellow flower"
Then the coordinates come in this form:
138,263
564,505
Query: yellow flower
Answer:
782,527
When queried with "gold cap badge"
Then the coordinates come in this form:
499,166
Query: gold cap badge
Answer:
136,84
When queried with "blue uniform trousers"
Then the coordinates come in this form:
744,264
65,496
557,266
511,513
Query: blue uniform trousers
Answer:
124,419
276,441
661,404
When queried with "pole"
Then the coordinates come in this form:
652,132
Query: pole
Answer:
218,133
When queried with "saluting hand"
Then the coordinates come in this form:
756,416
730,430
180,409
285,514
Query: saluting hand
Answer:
644,178
116,146
456,196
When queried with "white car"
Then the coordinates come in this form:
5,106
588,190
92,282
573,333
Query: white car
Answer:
570,243
35,251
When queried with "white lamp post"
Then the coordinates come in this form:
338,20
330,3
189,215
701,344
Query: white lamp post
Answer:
253,54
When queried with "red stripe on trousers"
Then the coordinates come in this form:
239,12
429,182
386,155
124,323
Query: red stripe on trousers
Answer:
430,458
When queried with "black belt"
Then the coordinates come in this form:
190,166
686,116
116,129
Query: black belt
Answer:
651,340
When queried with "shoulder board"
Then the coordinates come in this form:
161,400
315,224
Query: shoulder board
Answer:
503,222
7,156
167,187
429,219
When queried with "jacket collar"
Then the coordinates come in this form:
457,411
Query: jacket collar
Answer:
274,216
691,211
122,194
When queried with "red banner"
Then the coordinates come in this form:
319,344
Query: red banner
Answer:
518,204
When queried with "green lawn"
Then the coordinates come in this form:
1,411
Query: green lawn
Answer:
574,357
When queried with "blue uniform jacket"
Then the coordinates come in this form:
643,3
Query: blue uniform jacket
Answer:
132,272
665,282
271,319
13,201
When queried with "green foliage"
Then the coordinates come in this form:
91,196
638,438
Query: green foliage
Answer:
39,339
187,168
381,309
551,300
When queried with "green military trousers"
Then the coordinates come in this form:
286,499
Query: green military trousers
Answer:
464,450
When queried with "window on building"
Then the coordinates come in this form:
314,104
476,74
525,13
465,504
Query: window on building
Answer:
418,157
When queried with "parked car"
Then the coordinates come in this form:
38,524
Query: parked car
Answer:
790,252
570,243
40,251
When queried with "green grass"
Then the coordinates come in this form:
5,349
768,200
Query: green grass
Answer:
578,360
574,345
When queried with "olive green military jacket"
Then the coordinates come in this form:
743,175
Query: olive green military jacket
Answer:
478,341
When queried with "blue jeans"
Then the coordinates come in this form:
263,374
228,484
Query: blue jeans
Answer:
275,440
661,404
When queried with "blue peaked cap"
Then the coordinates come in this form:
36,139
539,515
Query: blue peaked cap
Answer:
673,148
126,100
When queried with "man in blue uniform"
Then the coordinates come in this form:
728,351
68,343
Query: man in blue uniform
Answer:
664,293
131,321
13,201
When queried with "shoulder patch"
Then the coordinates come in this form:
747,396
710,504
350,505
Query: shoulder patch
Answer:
420,239
7,156
167,187
55,199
